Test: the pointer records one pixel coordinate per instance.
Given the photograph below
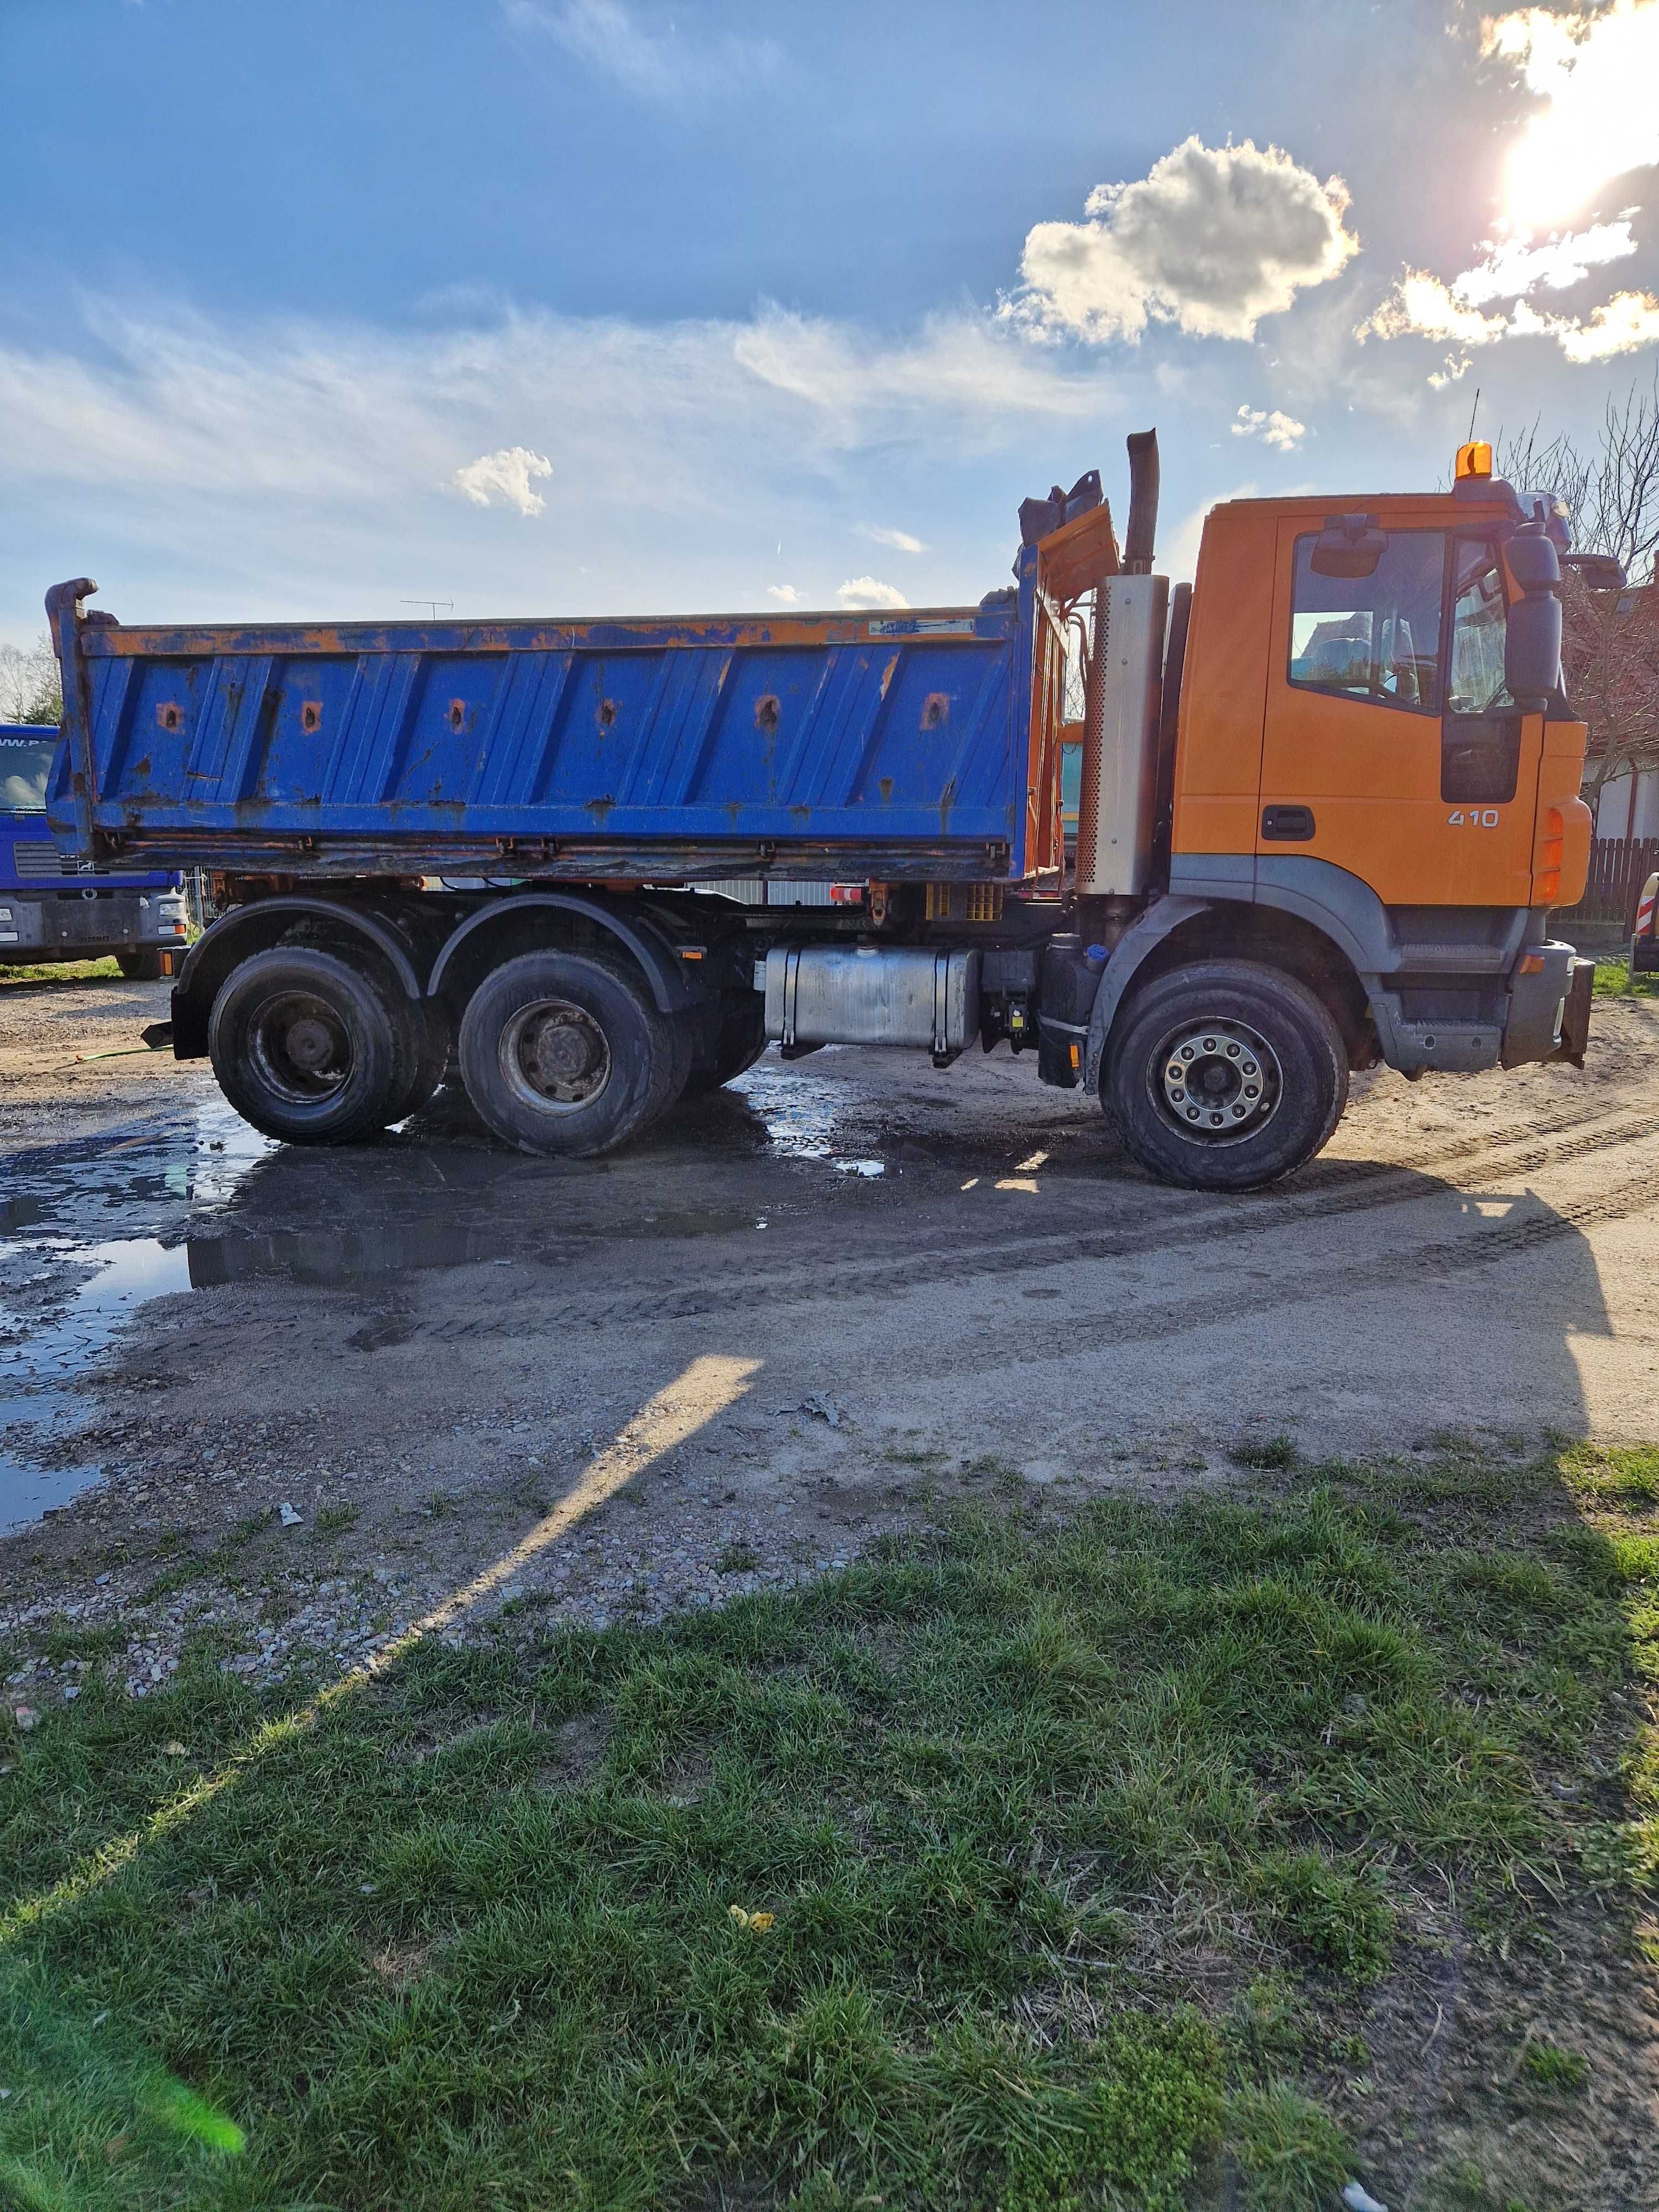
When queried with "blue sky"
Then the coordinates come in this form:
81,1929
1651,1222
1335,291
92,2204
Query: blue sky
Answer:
563,306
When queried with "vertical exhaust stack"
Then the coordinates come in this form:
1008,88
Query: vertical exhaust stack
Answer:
1141,534
1117,809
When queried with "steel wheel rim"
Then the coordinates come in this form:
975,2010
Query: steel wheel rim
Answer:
301,1048
554,1056
1218,1080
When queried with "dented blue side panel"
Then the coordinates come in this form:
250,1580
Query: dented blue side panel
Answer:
613,746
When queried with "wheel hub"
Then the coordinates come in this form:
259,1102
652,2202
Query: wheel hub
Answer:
554,1054
308,1043
1218,1081
302,1046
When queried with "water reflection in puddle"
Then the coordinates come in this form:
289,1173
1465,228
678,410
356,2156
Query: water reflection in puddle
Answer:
91,1230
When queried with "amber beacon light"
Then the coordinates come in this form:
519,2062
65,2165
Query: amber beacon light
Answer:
1474,460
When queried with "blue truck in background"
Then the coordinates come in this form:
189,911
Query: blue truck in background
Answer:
59,907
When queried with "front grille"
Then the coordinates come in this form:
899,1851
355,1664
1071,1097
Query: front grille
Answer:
36,860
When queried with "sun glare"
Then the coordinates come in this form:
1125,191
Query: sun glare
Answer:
1599,77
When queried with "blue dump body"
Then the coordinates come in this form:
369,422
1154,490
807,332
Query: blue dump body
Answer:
886,743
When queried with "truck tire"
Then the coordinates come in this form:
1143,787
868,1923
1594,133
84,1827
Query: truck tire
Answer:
1225,1075
565,1054
307,1047
427,1043
739,1043
140,967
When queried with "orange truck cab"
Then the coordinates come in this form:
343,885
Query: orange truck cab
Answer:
1373,774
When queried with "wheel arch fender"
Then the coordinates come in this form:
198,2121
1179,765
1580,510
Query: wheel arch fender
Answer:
256,928
634,932
1143,937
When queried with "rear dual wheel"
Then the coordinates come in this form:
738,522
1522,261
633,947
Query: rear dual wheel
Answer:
315,1050
567,1054
1226,1075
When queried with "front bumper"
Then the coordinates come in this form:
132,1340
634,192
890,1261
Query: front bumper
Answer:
1541,1013
1549,1008
79,926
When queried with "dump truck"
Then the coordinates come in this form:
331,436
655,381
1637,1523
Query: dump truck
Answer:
56,906
1329,797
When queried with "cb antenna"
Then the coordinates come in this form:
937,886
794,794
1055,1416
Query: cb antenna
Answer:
1473,411
448,605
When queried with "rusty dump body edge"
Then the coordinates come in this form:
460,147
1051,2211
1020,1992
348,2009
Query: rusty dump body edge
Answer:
919,744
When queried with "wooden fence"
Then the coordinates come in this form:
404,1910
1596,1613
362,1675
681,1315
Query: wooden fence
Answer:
1618,868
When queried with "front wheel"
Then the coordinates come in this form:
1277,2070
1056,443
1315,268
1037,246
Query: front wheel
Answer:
1225,1076
564,1053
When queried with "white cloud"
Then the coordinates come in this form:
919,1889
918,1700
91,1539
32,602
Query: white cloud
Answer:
1212,239
785,594
1422,306
652,64
900,540
1625,322
867,592
506,476
1273,428
1595,71
1512,267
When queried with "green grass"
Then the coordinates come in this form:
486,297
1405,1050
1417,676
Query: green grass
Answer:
1553,2067
60,971
1613,980
465,1936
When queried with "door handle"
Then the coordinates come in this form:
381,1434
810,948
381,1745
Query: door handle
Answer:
1288,825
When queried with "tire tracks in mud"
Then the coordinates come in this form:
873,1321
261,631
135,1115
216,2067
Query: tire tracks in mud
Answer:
894,1270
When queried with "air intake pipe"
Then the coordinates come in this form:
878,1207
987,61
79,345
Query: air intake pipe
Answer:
1141,535
1117,808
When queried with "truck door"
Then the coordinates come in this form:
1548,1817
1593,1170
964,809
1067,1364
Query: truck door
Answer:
1390,748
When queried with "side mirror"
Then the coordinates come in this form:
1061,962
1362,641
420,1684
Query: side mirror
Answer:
1349,545
1532,639
1598,571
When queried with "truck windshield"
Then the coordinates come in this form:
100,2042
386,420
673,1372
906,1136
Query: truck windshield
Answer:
25,765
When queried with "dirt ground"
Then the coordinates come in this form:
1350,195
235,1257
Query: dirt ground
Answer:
920,1273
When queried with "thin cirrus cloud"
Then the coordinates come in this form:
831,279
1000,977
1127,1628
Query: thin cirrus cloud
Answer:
869,591
1211,239
900,541
646,57
1272,426
504,476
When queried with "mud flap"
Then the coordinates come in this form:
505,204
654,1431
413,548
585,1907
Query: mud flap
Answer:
1575,1014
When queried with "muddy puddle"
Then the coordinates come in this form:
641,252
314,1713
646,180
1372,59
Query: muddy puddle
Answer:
195,1198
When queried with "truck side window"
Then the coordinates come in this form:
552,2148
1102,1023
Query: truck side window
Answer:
1474,683
1374,637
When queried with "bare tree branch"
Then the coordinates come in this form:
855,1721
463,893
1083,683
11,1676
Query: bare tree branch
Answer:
1610,642
29,689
